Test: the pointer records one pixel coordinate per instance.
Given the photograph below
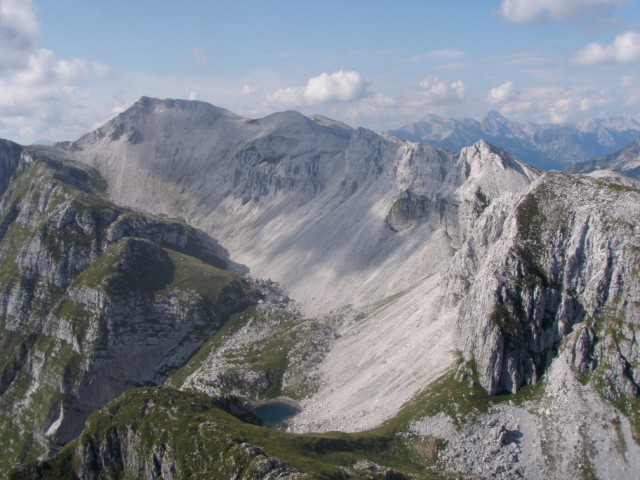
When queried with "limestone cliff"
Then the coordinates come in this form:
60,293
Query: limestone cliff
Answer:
94,299
323,209
564,259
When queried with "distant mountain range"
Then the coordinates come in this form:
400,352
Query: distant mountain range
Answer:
625,162
544,146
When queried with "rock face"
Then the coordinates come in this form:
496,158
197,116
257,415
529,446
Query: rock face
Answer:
299,200
564,258
94,299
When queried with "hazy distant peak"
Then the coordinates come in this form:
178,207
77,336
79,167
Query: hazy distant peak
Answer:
546,146
494,114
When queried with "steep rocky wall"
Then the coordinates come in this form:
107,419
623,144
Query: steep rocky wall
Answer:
566,257
94,299
325,210
9,158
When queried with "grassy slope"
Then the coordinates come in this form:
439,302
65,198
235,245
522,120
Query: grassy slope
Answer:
184,420
159,274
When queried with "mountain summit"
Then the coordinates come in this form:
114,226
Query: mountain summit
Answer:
292,196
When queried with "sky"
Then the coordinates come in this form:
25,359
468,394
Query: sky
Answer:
67,66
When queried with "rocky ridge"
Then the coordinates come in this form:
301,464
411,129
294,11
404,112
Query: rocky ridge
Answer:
299,200
94,299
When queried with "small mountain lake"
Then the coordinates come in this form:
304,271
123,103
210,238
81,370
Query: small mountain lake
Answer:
274,413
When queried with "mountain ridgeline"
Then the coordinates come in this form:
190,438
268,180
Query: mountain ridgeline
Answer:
546,146
625,162
422,283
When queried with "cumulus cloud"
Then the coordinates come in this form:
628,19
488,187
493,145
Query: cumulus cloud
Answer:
248,89
527,11
556,104
435,91
339,86
36,88
45,84
502,93
18,32
624,50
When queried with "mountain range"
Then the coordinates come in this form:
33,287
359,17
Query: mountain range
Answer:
625,162
545,146
451,313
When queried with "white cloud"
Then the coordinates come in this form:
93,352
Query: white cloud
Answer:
516,108
37,90
435,91
18,33
624,50
502,93
339,86
248,89
527,11
556,104
374,106
627,81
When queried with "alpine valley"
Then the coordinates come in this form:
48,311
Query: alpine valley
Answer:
427,313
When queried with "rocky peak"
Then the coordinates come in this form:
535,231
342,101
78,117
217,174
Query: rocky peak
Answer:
494,123
494,170
563,256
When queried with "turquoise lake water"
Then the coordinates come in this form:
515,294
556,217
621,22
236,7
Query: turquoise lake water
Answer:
275,413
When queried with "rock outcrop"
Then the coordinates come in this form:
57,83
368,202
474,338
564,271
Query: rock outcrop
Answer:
94,299
564,258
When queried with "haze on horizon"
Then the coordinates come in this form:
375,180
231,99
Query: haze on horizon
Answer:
68,66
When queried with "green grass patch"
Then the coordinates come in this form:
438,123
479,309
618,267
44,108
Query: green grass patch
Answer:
208,281
207,442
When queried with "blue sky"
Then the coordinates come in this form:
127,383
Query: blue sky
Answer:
66,66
